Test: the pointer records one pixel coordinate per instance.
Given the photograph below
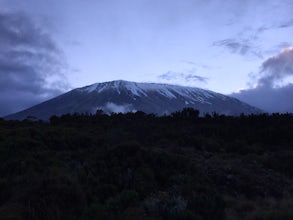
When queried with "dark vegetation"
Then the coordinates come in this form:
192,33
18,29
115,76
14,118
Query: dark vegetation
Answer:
138,166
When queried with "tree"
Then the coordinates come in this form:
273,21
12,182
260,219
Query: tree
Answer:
186,113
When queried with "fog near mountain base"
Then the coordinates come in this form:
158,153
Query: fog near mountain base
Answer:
111,107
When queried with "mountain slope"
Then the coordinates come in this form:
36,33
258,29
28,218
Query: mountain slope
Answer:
124,96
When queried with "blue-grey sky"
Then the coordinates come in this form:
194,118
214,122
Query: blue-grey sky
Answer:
238,47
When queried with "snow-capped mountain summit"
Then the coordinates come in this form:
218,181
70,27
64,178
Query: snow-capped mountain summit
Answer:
124,96
142,89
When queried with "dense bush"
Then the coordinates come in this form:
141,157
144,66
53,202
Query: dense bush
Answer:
139,166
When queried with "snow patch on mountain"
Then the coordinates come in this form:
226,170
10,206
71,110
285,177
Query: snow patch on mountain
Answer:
143,89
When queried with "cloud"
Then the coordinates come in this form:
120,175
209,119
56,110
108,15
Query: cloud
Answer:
286,24
278,25
31,64
198,65
251,39
110,107
191,77
242,47
277,68
268,99
272,92
186,77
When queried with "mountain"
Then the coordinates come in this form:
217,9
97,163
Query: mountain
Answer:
123,96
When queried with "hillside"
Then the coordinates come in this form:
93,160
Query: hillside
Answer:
139,166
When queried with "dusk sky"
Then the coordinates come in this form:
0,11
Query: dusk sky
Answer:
236,47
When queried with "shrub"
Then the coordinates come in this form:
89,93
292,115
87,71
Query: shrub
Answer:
164,204
95,212
210,206
57,198
187,215
123,200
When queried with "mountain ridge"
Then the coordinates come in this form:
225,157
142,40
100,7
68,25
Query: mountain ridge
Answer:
125,96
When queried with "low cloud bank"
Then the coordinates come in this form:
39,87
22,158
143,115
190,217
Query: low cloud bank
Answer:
273,91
